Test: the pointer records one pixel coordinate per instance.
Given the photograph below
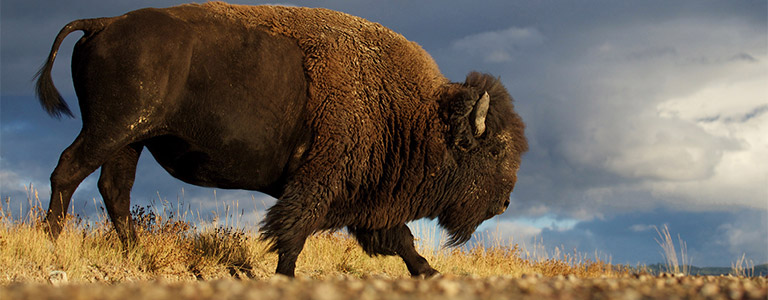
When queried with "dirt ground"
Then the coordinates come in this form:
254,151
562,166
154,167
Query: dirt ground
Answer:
445,287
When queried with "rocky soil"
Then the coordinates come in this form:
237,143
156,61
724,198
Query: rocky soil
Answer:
445,287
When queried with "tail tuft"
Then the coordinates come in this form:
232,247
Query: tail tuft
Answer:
49,97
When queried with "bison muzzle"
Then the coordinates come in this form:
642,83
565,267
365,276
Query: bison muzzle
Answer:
344,121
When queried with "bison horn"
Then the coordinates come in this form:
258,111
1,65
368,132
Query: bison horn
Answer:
479,113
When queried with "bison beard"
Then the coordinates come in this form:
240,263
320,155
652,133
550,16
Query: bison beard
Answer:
347,123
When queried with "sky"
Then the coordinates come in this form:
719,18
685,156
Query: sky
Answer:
639,115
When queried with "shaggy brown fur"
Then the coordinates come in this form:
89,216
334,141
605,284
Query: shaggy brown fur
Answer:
345,56
345,121
372,94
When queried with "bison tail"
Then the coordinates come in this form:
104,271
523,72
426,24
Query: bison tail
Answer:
46,92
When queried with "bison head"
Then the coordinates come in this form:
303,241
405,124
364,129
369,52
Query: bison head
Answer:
485,140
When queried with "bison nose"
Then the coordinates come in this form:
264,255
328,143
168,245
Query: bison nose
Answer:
503,208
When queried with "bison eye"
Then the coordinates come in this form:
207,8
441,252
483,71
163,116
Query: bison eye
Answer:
495,152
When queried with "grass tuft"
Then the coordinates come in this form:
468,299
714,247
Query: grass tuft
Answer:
743,267
673,265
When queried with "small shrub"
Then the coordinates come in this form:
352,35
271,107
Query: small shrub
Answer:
225,247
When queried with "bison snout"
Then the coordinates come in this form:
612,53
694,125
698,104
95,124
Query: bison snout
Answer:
495,211
503,208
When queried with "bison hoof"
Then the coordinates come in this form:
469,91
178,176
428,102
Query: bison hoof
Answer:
429,273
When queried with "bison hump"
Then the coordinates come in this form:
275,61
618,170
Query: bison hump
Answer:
346,58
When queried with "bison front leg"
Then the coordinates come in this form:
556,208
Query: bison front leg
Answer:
295,216
394,241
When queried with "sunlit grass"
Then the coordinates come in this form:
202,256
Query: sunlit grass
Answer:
176,244
743,267
673,264
170,248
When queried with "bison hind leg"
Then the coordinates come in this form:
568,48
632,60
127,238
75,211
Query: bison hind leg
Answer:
397,240
90,150
115,183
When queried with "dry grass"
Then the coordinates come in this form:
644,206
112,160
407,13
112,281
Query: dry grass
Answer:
170,248
673,265
743,267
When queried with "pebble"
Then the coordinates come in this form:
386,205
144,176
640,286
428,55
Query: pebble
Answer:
326,291
406,285
710,290
447,287
57,277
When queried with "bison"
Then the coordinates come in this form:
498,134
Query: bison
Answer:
344,121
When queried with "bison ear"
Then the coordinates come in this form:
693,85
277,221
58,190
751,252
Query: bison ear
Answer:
479,112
